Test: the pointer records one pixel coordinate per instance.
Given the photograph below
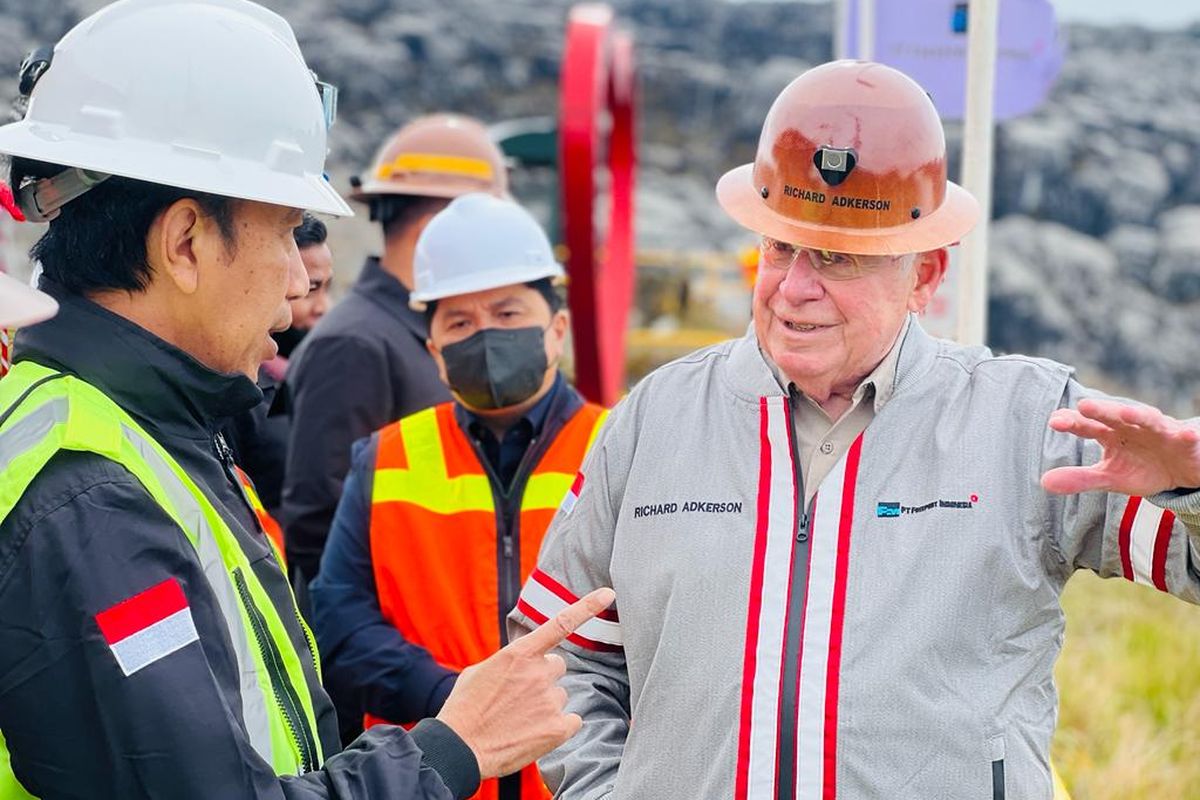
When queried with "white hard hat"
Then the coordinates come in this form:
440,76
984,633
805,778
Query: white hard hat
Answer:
480,242
208,95
23,305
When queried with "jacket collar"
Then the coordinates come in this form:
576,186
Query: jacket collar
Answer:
751,376
384,290
156,382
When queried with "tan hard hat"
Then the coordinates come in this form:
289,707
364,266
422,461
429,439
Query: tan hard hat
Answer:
440,155
852,159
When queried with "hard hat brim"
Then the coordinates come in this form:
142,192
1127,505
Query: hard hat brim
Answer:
21,304
449,191
168,165
942,227
494,280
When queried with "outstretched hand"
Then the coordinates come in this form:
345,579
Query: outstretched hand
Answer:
1145,451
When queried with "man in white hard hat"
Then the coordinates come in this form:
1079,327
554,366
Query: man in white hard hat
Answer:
149,643
444,510
839,543
365,365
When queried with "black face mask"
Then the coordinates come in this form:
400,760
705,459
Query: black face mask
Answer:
497,367
288,340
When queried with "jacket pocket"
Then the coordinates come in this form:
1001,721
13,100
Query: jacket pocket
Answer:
996,751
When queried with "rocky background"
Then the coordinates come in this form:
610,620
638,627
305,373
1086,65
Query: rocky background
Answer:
1096,247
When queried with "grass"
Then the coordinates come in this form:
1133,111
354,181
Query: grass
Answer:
1129,684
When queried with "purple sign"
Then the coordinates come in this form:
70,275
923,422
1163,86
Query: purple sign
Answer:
927,40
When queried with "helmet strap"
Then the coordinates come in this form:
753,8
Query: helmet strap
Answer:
41,200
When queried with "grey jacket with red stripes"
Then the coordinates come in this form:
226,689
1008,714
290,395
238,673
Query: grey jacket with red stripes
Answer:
895,639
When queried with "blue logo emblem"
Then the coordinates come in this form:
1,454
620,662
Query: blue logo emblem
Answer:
887,509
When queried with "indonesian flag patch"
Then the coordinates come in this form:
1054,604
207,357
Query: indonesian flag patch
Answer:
148,626
568,503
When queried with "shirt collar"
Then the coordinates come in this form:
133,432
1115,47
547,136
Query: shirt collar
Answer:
879,382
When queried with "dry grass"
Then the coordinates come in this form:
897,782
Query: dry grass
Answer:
1129,680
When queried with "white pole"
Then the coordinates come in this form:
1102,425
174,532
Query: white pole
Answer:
841,20
982,22
866,30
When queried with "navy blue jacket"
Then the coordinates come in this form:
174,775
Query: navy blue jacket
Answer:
365,657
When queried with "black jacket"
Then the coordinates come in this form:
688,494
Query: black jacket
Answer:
364,365
86,535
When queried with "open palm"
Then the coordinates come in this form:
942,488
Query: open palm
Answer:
1145,451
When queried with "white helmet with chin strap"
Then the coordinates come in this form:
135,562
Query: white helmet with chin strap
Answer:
208,95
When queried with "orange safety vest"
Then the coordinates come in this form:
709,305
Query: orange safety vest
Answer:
448,565
270,527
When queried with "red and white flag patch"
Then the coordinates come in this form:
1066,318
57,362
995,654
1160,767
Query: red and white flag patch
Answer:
148,626
568,503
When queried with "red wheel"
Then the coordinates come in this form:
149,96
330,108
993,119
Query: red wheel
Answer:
596,136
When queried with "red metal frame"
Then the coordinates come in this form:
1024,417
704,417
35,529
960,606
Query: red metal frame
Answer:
596,120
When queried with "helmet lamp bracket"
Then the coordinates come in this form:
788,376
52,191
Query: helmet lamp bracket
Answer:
835,163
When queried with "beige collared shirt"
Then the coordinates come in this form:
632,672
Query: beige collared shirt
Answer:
821,441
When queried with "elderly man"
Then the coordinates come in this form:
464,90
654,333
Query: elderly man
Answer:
445,509
840,544
149,643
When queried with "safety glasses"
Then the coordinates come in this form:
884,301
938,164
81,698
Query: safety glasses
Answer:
329,97
777,255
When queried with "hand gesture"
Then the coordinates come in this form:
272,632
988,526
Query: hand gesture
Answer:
509,708
1145,451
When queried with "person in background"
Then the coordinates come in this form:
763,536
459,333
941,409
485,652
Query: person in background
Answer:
444,510
365,364
259,437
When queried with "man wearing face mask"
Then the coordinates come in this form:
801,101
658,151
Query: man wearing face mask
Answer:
443,512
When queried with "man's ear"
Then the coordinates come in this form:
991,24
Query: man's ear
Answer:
929,271
436,352
561,323
181,241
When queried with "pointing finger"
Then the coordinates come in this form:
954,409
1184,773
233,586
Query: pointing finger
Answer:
564,623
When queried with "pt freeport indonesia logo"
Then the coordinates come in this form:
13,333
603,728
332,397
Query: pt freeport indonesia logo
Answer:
894,509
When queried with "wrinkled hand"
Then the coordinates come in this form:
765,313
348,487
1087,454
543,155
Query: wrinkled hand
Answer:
1145,451
509,708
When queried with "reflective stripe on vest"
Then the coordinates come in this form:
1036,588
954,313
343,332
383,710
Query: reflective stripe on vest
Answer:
69,414
434,537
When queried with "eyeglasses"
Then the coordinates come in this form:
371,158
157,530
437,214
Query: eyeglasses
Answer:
781,256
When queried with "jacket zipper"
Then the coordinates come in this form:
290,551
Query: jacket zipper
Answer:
285,694
508,515
794,631
508,564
